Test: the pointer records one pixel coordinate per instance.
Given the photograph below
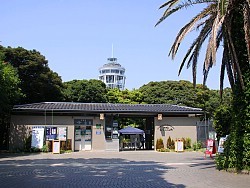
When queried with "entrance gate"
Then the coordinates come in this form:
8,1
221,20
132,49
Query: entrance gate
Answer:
83,134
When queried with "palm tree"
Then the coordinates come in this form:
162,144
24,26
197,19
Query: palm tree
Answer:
213,22
226,24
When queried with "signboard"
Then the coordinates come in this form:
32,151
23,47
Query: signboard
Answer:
51,133
179,145
98,126
212,135
115,124
56,146
83,121
37,136
166,127
98,132
221,144
62,133
210,147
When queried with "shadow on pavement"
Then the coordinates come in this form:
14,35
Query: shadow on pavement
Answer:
80,172
204,163
11,155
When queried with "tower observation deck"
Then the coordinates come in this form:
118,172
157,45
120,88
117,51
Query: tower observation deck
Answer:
112,74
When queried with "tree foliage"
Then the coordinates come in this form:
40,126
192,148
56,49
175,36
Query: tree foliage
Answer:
9,95
90,91
124,96
169,92
38,82
222,120
9,87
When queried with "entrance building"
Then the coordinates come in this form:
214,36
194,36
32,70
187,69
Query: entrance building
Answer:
94,126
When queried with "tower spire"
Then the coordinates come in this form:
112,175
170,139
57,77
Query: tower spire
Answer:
112,50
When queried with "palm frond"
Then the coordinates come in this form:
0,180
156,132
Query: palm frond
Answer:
201,38
195,49
212,44
172,9
170,3
222,74
223,4
194,69
227,62
186,29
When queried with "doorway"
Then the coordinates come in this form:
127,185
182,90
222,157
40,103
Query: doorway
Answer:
146,124
83,137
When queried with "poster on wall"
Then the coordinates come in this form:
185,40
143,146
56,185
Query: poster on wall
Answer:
88,135
37,136
62,133
51,133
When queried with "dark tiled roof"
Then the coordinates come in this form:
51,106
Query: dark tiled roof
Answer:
105,107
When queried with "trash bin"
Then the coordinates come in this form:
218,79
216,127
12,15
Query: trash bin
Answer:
179,145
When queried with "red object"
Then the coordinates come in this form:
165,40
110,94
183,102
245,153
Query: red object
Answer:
211,149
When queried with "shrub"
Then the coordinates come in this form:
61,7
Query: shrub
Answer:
172,146
34,149
163,150
246,152
45,148
159,143
184,143
187,144
169,142
27,143
220,161
197,145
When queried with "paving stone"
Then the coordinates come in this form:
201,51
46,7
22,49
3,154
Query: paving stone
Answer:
136,169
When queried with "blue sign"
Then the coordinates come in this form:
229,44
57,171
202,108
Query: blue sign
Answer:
51,133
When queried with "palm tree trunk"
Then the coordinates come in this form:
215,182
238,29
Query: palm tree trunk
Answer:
241,97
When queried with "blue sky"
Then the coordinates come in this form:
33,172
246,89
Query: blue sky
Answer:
76,37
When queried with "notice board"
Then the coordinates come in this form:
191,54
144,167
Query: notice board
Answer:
56,146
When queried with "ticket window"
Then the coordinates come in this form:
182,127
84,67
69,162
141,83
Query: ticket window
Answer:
83,137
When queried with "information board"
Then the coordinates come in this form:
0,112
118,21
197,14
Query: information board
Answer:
56,146
62,133
210,149
51,133
37,136
221,144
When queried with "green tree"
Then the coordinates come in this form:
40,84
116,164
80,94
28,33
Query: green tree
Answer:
227,23
89,91
222,120
124,96
38,82
10,93
174,92
9,86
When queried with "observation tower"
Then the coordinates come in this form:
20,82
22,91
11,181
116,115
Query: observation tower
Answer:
112,74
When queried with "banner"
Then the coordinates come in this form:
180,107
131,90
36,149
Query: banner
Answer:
62,133
37,137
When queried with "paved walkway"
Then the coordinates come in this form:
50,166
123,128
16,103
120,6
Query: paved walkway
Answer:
127,169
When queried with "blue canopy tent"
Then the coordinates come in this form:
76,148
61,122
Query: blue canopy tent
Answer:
131,130
136,137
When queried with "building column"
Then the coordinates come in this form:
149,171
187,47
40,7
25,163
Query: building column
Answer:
149,133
